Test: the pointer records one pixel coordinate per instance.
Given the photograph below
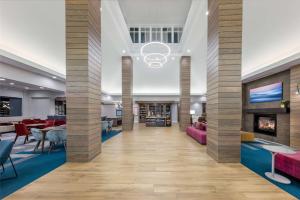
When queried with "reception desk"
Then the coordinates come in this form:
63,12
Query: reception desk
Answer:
157,121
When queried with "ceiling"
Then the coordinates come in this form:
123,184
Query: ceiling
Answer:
30,30
155,11
271,30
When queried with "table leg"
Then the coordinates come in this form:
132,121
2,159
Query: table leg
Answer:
43,141
276,177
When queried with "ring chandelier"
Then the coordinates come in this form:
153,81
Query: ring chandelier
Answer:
155,54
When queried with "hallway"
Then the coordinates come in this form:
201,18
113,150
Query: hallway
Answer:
151,163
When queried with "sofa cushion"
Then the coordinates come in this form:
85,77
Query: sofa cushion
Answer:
289,164
198,135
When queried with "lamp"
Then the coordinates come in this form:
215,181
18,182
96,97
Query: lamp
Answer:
192,112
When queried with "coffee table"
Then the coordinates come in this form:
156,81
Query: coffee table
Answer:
275,149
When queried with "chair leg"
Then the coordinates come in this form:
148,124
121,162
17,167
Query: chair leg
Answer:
65,145
26,139
16,174
37,145
16,138
50,147
3,169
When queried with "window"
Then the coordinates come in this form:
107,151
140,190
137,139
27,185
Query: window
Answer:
156,34
167,35
177,34
145,35
134,34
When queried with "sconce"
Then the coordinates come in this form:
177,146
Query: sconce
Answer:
298,89
284,104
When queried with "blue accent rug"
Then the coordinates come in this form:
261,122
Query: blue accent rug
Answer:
257,159
36,166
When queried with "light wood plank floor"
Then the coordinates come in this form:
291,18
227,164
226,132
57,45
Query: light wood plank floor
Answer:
148,164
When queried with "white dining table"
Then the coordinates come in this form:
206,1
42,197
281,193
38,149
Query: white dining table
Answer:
275,149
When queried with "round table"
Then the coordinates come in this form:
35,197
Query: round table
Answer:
274,149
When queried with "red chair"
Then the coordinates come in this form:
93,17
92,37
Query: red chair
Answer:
21,130
49,123
60,122
28,121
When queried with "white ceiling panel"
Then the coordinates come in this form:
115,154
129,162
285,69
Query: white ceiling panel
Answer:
155,11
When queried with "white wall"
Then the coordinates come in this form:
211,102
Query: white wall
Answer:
108,110
35,104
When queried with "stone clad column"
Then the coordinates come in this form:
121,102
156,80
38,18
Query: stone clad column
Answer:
185,95
83,83
224,97
127,100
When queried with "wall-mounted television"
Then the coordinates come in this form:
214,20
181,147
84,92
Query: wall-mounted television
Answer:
10,106
268,93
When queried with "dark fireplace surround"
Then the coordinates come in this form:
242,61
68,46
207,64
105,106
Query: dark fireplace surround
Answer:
265,124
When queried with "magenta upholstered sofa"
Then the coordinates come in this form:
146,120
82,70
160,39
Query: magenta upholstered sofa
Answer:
198,132
289,164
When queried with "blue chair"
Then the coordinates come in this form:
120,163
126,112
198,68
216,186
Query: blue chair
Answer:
37,136
5,150
53,137
63,137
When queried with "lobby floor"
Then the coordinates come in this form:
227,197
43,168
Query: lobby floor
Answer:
151,164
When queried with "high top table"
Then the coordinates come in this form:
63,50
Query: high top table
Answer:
275,149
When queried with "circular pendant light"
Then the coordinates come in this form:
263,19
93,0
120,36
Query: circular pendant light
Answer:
155,54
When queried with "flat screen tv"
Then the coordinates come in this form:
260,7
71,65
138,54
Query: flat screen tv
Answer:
10,106
266,93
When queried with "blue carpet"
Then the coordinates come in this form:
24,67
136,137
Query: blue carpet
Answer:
110,134
33,168
257,159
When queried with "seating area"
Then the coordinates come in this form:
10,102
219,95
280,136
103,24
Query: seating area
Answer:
198,132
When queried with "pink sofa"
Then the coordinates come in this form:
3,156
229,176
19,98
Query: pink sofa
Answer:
198,132
289,164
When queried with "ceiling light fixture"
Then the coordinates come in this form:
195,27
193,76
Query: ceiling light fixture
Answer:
54,77
173,58
155,54
123,51
26,88
11,83
42,88
189,51
2,79
137,58
207,13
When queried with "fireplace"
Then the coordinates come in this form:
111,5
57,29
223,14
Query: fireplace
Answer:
265,124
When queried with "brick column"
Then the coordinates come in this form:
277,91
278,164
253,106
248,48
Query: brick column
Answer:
224,98
127,101
83,83
185,95
295,108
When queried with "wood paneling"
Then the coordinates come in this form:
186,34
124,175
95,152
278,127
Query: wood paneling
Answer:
127,100
151,164
185,95
283,119
295,109
224,79
83,83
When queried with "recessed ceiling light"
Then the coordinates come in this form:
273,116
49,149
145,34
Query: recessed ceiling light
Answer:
2,79
42,88
207,13
54,77
173,58
137,58
189,51
26,88
123,51
11,83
